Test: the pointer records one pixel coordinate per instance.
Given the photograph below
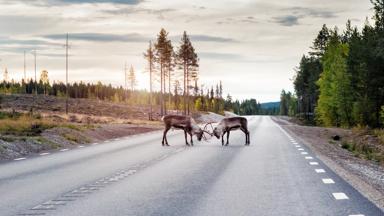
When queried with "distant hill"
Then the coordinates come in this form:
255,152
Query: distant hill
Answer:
270,105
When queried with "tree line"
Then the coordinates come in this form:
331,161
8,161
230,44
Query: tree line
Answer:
341,81
173,79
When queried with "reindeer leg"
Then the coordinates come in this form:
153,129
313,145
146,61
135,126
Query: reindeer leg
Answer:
190,134
249,142
227,138
246,135
185,135
222,138
165,137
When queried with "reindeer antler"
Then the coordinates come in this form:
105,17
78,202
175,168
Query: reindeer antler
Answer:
205,130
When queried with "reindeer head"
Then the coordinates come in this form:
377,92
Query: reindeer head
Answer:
199,134
217,132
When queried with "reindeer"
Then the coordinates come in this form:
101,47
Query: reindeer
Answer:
231,123
185,123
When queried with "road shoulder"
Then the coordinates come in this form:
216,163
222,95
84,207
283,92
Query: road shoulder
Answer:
364,175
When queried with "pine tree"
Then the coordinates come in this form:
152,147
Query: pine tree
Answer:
188,60
150,57
163,54
132,78
44,80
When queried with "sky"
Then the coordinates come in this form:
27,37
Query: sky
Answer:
253,46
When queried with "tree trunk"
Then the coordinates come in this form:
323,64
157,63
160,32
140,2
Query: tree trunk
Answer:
161,91
184,93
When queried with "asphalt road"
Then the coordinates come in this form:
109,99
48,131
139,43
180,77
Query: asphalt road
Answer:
135,175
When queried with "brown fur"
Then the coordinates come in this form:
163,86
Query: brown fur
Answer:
185,123
231,123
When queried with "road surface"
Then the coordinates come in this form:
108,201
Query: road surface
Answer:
275,175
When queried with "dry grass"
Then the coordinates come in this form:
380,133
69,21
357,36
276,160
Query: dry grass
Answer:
25,125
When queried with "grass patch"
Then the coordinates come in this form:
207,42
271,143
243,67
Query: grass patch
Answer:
24,126
71,137
46,142
380,135
79,127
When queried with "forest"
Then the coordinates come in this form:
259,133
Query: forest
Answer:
340,82
173,79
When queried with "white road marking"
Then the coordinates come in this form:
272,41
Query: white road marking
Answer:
340,196
297,146
304,153
18,159
309,158
81,146
357,215
106,141
117,139
95,143
313,163
300,149
62,150
320,170
328,181
45,153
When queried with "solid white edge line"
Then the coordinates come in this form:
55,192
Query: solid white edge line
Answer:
19,159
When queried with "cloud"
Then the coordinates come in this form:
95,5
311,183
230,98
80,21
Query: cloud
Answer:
220,56
312,12
100,37
64,2
129,2
205,38
287,20
300,13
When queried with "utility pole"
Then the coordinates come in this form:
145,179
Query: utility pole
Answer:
25,73
66,75
125,80
34,53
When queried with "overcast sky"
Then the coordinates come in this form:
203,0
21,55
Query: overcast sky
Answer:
252,46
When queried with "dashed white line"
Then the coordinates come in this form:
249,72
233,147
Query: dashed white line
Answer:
300,149
117,139
340,196
297,146
19,159
106,141
95,143
309,158
320,170
328,181
357,215
313,163
304,153
81,146
62,150
45,153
